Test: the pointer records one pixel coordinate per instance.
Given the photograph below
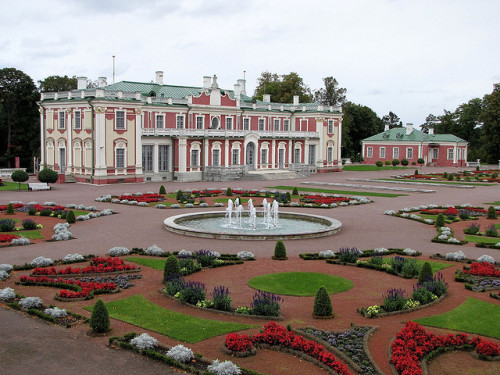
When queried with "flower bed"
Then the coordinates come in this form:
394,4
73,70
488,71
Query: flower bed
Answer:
7,237
148,198
277,337
413,343
97,265
482,269
363,254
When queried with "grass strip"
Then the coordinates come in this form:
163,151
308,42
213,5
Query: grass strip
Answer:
345,192
157,264
472,316
435,266
496,203
472,238
139,311
31,234
300,283
11,186
365,167
437,182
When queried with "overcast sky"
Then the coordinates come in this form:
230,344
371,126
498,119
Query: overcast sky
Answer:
409,57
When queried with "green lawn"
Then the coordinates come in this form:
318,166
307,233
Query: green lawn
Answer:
345,192
157,264
31,234
224,200
368,167
142,313
472,238
496,203
435,266
439,182
300,283
472,316
13,186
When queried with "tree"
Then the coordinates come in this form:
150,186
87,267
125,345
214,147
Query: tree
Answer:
70,217
392,120
359,122
282,88
48,176
420,161
331,94
425,273
19,118
162,190
58,83
439,221
430,122
490,116
279,250
99,320
19,176
492,213
171,268
322,304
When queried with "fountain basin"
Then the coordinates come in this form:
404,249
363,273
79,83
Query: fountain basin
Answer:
292,226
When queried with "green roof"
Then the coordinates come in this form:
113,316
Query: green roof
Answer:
399,135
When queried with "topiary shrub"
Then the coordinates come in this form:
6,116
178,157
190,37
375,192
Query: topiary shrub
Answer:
10,209
48,176
416,172
29,224
179,196
322,304
171,267
420,161
404,162
395,162
425,273
229,192
387,162
162,190
280,250
295,191
492,214
440,221
19,176
99,321
379,164
70,217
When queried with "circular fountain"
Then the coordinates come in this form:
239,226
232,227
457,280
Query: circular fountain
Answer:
239,224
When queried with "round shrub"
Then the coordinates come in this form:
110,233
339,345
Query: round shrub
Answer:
439,221
30,302
162,190
425,273
180,353
10,209
154,250
48,176
7,225
29,224
245,255
322,304
492,214
99,321
404,162
7,294
56,312
423,295
41,262
144,342
171,267
279,250
395,162
19,176
224,368
70,217
379,164
118,251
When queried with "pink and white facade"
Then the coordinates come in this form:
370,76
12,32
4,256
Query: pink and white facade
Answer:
133,132
441,150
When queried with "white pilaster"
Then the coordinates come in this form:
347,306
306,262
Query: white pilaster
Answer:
273,152
69,129
205,152
226,152
139,124
182,154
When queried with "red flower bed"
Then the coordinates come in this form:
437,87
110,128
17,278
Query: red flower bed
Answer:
238,192
97,265
81,288
16,205
148,198
412,343
39,208
7,237
320,199
446,211
277,335
482,269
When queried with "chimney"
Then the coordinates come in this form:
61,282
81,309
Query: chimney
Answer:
207,82
214,83
103,81
409,128
159,77
82,83
266,98
242,83
386,127
237,91
295,100
431,131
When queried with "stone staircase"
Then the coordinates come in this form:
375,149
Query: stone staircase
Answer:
271,175
70,179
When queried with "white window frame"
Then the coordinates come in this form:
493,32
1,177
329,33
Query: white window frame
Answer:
121,165
329,154
286,125
160,120
409,153
395,153
262,124
117,124
202,122
61,121
214,152
179,122
195,158
246,123
276,124
330,126
263,156
435,153
78,120
152,148
449,154
229,123
459,154
235,156
381,153
165,159
369,152
297,155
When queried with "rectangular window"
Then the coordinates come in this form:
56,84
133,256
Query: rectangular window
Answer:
276,125
215,158
435,153
78,120
199,122
263,156
459,153
195,160
329,154
261,124
369,152
147,158
312,154
163,154
286,125
159,121
296,155
120,158
180,122
303,125
450,154
395,153
409,153
61,124
382,153
330,126
246,124
229,123
120,120
236,157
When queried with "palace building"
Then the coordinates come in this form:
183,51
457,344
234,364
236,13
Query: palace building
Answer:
134,132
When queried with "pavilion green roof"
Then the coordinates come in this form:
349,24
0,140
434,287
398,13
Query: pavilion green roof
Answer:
399,135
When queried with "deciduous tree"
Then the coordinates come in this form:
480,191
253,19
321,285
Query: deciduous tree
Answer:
58,83
331,94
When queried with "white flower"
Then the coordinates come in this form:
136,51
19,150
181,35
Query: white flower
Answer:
124,201
390,212
30,302
486,259
184,254
41,262
56,312
7,294
443,237
379,250
118,251
20,241
73,257
154,250
429,221
409,251
6,267
224,368
107,212
144,342
458,255
180,353
3,275
245,255
453,240
326,254
143,204
160,206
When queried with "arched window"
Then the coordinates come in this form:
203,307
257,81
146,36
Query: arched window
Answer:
215,123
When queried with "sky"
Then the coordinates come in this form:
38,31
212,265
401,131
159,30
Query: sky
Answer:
409,57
